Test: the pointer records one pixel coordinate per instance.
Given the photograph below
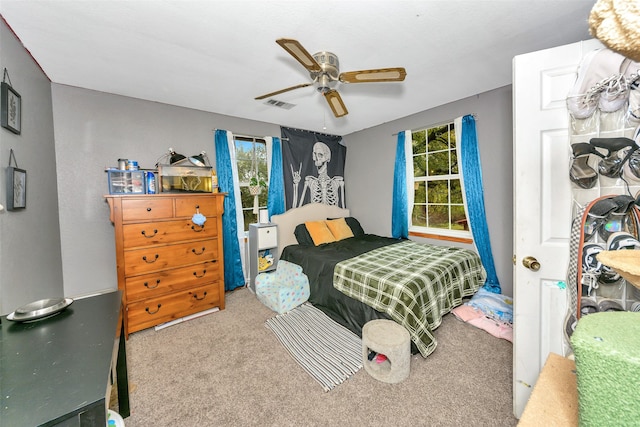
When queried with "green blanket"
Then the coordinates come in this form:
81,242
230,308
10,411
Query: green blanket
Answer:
415,284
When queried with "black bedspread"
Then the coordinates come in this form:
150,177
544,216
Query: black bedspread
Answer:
318,263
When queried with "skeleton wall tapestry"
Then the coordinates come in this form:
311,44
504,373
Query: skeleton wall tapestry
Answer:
313,168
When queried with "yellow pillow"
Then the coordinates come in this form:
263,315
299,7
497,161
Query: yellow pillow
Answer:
319,232
339,228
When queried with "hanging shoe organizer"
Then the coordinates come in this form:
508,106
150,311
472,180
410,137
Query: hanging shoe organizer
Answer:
604,171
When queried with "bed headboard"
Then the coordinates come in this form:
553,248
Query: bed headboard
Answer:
288,221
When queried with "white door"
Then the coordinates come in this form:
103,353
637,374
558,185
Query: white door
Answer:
542,207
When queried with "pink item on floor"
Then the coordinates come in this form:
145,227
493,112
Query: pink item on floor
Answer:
478,319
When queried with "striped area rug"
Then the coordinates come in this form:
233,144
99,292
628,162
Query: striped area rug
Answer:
329,352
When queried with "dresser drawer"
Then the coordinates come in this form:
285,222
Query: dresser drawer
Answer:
154,233
187,206
151,312
162,282
146,209
146,260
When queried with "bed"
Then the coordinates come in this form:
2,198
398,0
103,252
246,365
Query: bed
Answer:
366,277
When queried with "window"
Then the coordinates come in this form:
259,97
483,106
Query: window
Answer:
438,206
251,158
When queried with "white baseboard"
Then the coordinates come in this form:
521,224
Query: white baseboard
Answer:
184,319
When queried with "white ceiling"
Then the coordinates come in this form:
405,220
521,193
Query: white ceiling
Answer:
217,56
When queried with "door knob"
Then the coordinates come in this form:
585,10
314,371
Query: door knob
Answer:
531,263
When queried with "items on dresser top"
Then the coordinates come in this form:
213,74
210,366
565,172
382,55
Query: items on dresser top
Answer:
190,175
187,178
169,266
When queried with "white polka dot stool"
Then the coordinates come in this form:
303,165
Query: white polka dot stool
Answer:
388,338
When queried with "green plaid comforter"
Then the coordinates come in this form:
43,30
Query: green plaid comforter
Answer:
415,284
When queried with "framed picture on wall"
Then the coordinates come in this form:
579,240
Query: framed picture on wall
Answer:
16,188
10,108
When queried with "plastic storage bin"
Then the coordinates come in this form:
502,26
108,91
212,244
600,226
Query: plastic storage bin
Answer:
126,182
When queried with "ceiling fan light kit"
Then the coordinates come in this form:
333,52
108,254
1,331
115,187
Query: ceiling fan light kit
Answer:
324,70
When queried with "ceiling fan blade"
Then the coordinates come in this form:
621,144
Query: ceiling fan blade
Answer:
335,102
283,90
296,50
379,75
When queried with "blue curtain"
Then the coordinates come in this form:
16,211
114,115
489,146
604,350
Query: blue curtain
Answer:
474,192
233,275
399,217
275,201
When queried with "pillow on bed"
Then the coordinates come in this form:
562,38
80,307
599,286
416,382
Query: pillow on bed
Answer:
354,224
302,235
319,232
339,228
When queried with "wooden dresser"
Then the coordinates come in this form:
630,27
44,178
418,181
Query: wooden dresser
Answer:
168,267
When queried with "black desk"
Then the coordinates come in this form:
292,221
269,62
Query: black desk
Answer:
57,371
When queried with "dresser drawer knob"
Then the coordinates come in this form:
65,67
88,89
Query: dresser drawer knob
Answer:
198,253
144,258
203,296
144,233
148,209
146,284
200,276
198,228
153,312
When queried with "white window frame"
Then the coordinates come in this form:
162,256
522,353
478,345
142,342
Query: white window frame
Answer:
435,232
245,184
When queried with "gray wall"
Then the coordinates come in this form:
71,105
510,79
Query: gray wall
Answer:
94,129
371,156
30,258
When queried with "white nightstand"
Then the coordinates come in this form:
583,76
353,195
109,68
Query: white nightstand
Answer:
263,241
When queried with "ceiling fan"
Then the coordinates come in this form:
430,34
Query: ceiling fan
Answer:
324,70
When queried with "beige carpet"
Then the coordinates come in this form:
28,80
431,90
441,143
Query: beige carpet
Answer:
227,369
